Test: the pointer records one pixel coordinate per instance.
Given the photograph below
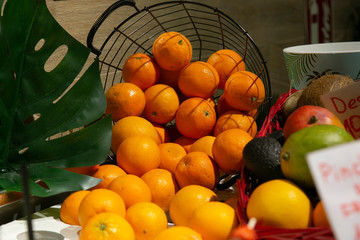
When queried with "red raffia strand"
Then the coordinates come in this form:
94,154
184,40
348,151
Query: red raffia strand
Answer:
272,233
268,124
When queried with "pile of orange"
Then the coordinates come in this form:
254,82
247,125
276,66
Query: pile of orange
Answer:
178,124
167,102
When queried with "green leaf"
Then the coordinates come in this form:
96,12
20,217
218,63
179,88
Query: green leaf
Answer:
299,66
50,119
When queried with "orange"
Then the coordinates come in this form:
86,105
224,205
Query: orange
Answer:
141,70
170,155
179,233
163,133
98,201
228,149
107,226
186,200
197,168
169,78
172,51
244,91
138,154
124,99
213,220
185,142
211,101
319,218
235,119
131,126
226,62
163,187
8,197
69,211
203,144
107,173
84,170
131,188
280,203
222,107
161,103
147,219
195,118
198,79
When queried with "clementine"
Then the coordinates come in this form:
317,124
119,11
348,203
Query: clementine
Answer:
179,233
186,200
213,220
228,149
138,154
170,155
124,99
162,103
203,144
107,173
141,70
147,219
8,197
197,168
107,226
172,51
319,217
163,132
198,79
244,91
98,201
69,210
235,119
163,187
131,188
132,126
185,142
226,62
84,170
195,118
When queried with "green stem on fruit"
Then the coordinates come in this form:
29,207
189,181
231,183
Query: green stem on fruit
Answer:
286,156
102,227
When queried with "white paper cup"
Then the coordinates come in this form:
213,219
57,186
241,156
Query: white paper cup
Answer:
306,62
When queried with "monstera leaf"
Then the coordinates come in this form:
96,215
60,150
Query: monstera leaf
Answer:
49,119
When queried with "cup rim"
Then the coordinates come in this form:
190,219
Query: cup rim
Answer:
325,48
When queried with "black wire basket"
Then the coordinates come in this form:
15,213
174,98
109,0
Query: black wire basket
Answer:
207,28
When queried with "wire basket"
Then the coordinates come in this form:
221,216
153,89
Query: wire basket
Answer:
207,28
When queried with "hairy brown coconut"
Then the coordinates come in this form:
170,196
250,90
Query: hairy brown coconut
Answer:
325,84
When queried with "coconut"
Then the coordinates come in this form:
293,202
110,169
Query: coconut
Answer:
290,103
325,84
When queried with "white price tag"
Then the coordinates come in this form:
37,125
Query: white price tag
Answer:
345,104
336,174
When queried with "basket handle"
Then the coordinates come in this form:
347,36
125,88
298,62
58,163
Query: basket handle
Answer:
101,19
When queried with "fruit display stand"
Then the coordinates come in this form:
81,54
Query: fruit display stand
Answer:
208,29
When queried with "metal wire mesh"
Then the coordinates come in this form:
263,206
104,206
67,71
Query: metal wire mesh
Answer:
207,28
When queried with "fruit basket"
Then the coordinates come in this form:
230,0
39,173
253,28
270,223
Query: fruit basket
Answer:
207,28
248,182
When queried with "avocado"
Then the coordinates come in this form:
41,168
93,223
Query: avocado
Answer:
278,135
262,158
